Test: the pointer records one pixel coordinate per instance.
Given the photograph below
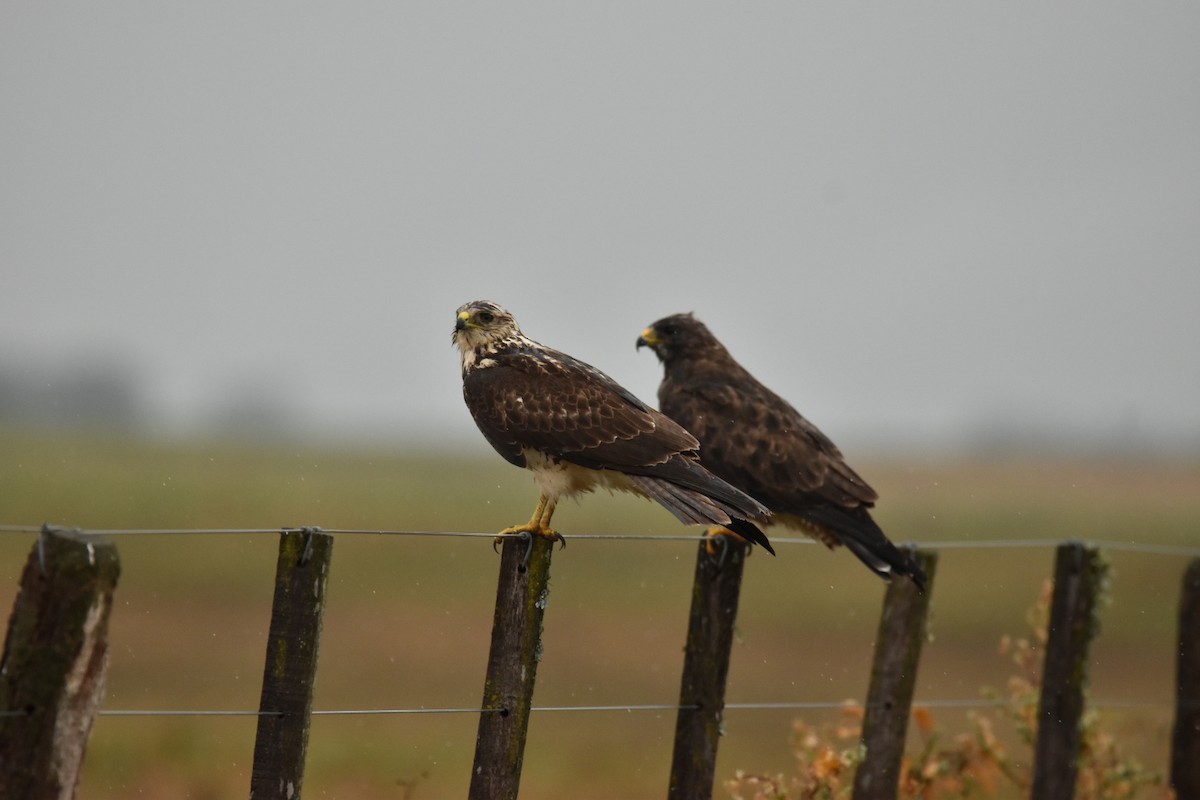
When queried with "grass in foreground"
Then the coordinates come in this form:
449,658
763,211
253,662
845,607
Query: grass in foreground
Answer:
409,617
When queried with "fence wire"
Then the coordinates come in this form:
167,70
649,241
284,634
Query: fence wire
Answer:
981,544
815,705
943,544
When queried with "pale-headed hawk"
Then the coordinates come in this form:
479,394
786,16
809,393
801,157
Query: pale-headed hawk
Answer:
577,430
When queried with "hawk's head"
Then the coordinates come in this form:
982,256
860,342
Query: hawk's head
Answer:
481,324
678,336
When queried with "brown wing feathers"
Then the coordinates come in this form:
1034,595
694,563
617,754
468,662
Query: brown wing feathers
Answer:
548,401
757,441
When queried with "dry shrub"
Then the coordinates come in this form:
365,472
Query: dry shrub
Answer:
971,764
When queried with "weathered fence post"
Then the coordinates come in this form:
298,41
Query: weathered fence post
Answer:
301,577
902,632
715,592
54,664
521,595
1079,575
1185,739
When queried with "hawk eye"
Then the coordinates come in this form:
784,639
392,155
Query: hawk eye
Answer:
486,317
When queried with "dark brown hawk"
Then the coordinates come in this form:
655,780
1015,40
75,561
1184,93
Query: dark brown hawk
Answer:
755,440
577,430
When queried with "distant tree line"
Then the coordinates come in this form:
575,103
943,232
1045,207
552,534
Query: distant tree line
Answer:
95,393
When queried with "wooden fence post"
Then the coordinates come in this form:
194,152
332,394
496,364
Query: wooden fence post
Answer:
902,632
516,648
55,662
1079,575
301,578
715,592
1185,739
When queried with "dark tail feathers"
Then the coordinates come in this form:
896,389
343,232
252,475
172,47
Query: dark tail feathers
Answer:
867,541
749,531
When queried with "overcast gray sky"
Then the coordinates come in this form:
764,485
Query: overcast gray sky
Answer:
911,219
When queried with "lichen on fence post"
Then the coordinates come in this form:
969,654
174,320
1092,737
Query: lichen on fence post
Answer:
301,578
698,726
1080,574
1185,739
54,664
521,595
902,632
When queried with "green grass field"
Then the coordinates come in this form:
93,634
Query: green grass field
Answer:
408,618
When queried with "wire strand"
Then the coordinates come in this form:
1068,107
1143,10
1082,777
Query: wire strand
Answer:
1131,547
1146,548
815,705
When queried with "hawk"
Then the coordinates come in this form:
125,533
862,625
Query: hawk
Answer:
576,429
757,441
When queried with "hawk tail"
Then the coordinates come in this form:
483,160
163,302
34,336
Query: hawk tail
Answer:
867,541
749,531
692,507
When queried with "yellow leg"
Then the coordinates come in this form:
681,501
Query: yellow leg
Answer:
538,525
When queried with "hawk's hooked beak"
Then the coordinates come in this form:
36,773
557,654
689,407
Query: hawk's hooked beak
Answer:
463,321
649,339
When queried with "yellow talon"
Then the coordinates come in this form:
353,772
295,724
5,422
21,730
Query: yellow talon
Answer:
517,530
538,525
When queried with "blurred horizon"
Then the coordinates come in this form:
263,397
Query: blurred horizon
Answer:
104,395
